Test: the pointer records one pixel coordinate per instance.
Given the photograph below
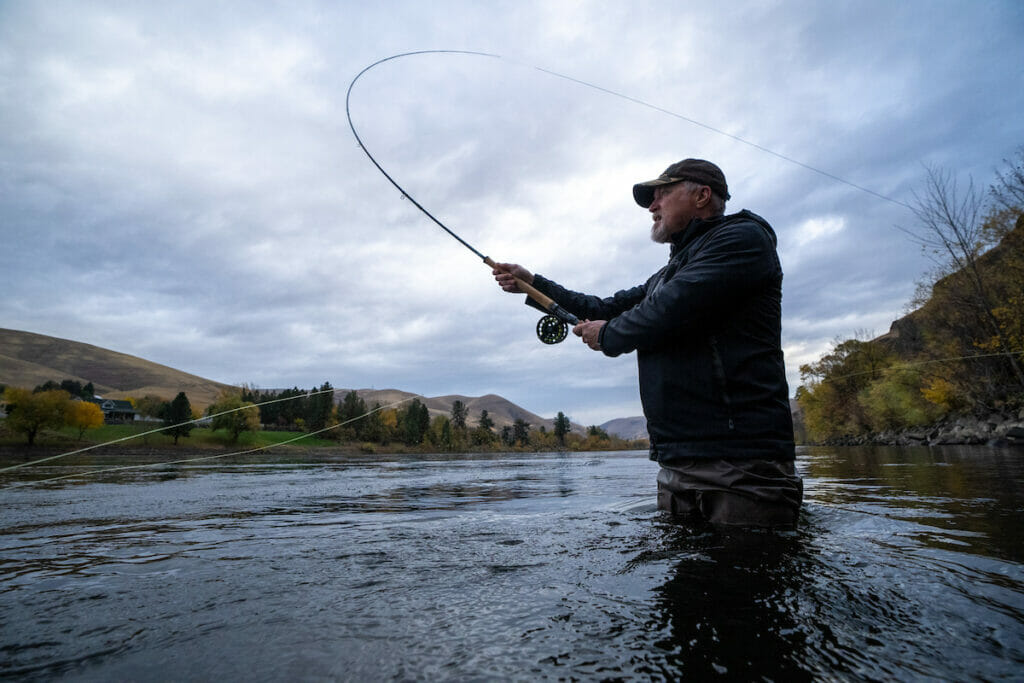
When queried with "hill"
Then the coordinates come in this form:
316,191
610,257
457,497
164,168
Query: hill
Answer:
629,428
28,360
502,411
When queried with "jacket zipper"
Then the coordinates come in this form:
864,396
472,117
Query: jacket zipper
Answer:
719,369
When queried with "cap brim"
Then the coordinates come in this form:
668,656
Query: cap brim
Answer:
643,193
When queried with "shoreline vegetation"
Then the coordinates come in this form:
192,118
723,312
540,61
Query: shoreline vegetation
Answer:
63,419
261,446
951,371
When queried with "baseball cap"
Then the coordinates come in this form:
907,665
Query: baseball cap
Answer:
694,170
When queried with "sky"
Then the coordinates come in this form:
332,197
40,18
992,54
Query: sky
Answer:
178,181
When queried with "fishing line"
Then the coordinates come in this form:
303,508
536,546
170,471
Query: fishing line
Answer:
209,457
593,86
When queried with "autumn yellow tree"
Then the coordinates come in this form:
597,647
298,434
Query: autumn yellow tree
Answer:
83,415
30,412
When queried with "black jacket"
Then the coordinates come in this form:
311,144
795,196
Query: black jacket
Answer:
707,331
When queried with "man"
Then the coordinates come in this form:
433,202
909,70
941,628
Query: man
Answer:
707,332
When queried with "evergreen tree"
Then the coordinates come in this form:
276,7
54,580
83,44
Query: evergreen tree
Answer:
485,420
459,414
351,409
318,407
562,427
372,426
178,412
521,431
415,421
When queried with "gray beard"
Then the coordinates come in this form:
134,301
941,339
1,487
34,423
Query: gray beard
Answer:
660,235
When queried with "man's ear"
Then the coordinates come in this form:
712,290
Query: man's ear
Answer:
703,196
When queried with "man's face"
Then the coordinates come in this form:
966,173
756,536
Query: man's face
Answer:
672,210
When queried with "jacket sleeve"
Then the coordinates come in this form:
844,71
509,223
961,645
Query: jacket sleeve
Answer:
735,262
586,306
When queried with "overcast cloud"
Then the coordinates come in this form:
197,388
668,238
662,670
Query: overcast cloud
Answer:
178,180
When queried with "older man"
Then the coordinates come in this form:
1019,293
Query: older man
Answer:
707,332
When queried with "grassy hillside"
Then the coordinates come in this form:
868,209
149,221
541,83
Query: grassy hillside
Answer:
28,359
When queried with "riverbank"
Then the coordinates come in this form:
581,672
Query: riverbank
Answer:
997,429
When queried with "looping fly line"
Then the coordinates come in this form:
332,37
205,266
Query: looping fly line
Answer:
553,327
592,86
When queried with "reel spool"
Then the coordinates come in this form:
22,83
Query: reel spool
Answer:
551,330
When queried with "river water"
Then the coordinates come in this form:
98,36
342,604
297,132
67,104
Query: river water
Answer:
908,564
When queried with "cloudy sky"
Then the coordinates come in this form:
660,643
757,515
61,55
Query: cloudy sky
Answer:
178,181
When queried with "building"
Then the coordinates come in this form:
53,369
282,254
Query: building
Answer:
115,411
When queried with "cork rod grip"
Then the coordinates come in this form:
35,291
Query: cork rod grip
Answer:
544,300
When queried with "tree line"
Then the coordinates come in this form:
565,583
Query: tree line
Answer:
52,406
314,411
961,349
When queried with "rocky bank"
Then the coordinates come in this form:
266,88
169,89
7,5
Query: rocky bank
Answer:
997,429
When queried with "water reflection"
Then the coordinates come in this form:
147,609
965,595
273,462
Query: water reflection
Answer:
729,606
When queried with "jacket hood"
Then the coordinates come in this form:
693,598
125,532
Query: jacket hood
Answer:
702,226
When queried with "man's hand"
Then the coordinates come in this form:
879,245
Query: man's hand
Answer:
506,273
590,331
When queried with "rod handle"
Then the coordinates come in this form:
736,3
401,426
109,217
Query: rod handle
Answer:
529,290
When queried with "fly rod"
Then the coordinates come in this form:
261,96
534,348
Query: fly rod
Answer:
553,327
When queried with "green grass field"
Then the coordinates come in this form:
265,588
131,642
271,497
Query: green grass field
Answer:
134,435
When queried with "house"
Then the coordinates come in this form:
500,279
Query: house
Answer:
115,411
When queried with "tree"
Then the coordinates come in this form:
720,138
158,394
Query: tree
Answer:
83,415
440,433
319,406
151,405
373,427
414,422
30,412
485,421
952,229
178,417
351,409
234,415
459,414
562,427
1008,191
521,431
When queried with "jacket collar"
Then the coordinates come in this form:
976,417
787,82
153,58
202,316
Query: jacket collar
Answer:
696,228
699,227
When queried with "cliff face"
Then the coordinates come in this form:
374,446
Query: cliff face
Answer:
906,336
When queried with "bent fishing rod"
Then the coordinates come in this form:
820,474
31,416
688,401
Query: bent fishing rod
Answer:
553,327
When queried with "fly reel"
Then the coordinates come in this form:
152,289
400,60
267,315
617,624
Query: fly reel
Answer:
551,330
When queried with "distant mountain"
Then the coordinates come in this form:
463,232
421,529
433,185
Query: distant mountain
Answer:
629,428
502,411
28,360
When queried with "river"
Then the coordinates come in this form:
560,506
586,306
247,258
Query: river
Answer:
908,564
